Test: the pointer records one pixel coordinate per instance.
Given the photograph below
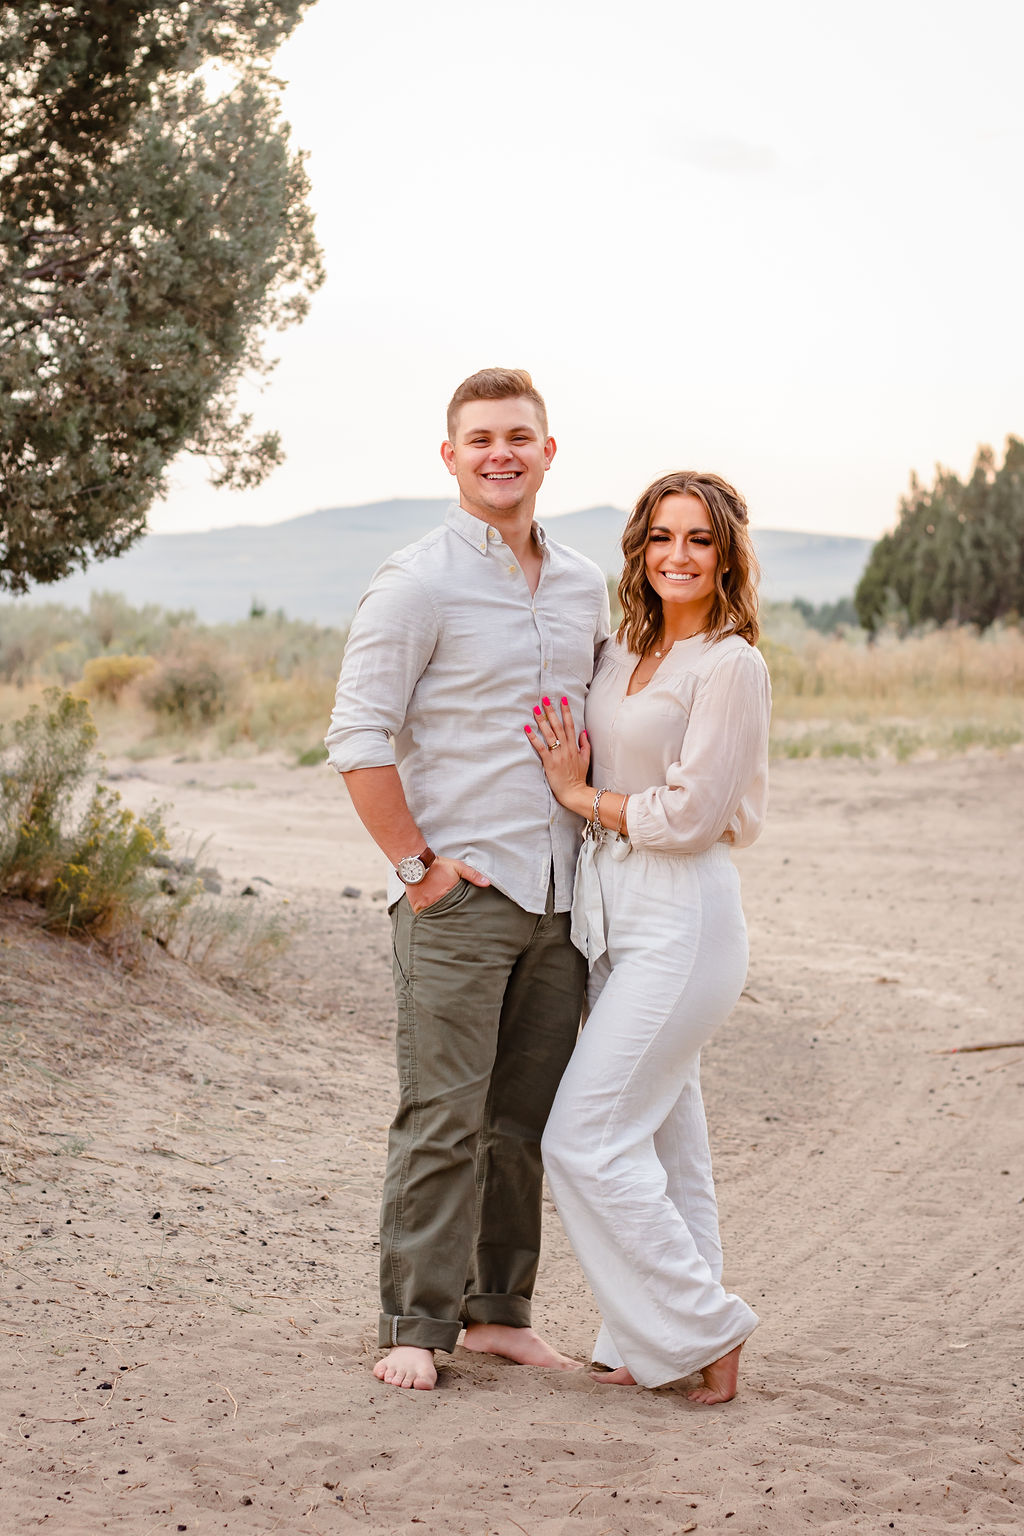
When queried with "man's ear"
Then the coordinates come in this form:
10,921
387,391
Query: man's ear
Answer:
550,449
448,454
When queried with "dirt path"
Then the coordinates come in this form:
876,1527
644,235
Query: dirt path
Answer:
189,1222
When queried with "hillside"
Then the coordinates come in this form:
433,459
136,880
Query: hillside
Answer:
315,566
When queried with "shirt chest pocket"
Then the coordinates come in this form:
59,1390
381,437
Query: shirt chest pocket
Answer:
572,650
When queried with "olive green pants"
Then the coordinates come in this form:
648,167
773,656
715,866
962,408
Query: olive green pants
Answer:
489,1001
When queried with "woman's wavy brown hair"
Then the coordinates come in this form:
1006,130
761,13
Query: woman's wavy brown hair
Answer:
734,608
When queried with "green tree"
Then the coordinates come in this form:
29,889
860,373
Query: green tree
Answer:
956,554
153,225
828,618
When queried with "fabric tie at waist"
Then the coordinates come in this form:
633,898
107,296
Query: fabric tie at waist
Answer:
587,930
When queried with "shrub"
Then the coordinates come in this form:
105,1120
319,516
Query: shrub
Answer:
28,634
107,677
313,757
39,777
103,880
89,867
189,688
66,661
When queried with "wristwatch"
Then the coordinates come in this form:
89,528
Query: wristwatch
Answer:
412,869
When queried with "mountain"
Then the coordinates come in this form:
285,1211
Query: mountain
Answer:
316,566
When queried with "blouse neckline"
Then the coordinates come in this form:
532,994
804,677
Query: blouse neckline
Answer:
628,658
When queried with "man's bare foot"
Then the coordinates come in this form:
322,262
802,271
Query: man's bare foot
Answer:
619,1378
519,1344
720,1379
408,1366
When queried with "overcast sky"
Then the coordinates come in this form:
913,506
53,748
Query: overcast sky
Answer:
782,242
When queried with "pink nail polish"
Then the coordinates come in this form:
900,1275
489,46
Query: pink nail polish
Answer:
528,729
565,703
546,703
536,709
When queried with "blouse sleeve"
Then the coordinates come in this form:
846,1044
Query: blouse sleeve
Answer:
724,760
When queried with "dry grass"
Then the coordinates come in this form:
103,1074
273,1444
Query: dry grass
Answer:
947,691
902,675
270,714
228,938
265,683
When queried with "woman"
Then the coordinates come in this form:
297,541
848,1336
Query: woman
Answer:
677,735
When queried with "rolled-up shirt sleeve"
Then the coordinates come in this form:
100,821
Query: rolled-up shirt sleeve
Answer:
722,765
391,640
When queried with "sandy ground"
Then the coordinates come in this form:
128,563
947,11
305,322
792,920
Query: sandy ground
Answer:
189,1215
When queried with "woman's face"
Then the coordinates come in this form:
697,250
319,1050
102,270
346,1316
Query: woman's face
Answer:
681,559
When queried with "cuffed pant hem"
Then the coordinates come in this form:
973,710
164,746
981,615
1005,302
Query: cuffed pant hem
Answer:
511,1311
421,1332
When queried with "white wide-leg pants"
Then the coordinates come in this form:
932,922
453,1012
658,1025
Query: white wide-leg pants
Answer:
626,1145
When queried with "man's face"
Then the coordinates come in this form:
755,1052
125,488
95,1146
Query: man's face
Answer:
499,457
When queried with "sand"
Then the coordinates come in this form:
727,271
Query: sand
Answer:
189,1308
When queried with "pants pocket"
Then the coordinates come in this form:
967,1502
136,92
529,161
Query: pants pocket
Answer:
451,899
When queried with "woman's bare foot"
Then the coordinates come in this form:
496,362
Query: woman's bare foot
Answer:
619,1378
720,1379
519,1344
408,1366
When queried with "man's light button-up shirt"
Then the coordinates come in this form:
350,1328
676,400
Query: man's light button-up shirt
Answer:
446,658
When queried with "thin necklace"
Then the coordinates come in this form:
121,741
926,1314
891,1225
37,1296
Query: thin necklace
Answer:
660,654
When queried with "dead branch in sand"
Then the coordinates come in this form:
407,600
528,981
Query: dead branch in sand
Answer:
997,1045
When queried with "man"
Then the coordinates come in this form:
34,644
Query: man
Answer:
456,639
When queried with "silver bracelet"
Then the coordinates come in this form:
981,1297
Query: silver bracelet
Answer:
595,820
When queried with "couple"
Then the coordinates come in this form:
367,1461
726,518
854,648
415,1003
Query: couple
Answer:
482,630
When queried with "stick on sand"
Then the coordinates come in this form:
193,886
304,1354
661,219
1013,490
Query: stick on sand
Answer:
998,1045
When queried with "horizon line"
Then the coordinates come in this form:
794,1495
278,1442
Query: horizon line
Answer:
447,501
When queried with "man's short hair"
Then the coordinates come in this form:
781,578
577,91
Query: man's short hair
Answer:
496,384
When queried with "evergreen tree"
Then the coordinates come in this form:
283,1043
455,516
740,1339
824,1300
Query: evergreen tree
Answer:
152,225
956,554
827,618
1005,531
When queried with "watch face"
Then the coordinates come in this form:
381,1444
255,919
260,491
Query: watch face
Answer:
411,871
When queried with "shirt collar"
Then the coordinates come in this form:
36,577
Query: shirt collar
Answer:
478,533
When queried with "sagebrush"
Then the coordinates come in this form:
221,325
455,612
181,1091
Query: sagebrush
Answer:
66,840
267,682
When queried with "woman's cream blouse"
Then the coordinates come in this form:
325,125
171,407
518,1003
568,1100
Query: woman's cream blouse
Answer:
691,749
